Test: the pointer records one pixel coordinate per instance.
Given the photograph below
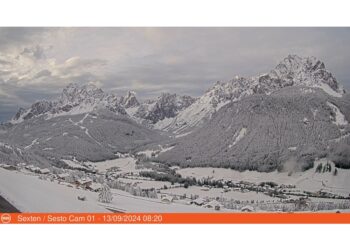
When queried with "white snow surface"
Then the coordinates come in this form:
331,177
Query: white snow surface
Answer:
308,180
238,136
34,142
214,193
182,135
30,194
339,116
124,164
124,201
148,153
145,184
329,90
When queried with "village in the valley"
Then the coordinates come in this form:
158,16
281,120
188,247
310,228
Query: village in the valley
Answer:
138,184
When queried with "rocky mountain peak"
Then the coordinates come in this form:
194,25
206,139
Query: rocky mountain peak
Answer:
74,99
75,94
129,100
298,71
166,105
291,71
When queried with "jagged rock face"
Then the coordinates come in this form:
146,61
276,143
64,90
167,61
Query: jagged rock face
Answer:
87,98
129,100
19,113
263,131
165,106
73,100
37,108
292,71
75,95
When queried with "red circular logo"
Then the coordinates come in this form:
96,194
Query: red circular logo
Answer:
5,218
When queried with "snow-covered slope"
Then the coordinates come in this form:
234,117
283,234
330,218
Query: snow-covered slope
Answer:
261,132
291,71
30,194
94,136
309,180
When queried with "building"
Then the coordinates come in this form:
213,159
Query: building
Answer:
8,167
213,205
84,182
167,198
247,209
44,171
175,168
34,169
198,201
63,176
95,187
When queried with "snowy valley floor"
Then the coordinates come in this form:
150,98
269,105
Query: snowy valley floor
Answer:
28,193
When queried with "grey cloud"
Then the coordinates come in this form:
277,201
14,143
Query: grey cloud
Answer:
43,73
154,60
4,62
19,36
37,52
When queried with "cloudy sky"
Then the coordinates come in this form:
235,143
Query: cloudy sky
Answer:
36,63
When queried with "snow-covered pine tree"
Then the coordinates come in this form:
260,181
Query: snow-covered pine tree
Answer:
105,194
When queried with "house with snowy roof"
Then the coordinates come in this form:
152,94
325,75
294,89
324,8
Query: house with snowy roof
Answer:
213,205
44,171
198,201
167,198
95,187
84,182
63,176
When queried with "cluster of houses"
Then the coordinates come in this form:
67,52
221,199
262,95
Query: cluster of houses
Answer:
83,183
88,184
211,204
37,170
8,167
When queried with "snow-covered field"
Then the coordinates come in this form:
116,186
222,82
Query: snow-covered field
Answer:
28,193
307,181
214,193
339,116
125,165
126,202
146,184
148,153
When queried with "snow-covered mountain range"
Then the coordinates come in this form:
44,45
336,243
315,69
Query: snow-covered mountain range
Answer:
298,109
76,99
73,100
291,71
